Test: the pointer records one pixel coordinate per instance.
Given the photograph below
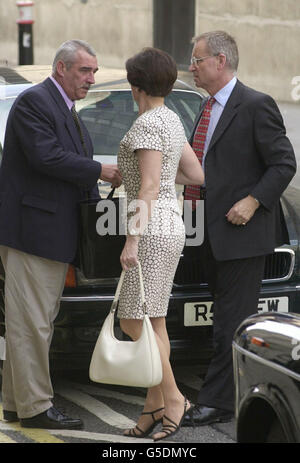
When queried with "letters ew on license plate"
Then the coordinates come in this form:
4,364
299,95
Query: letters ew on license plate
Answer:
201,313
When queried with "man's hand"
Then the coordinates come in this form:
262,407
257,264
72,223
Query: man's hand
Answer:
242,211
110,173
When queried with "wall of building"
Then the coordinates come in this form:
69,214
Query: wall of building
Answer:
267,32
115,28
268,36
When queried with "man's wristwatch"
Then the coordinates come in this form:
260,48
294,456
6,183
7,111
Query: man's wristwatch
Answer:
256,200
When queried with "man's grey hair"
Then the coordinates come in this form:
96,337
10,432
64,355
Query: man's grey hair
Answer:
221,42
68,50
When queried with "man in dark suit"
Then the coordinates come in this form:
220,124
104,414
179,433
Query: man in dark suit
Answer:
248,163
47,168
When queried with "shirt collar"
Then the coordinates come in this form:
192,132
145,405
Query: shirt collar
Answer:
67,100
222,95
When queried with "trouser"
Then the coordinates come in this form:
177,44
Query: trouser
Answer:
235,289
33,288
235,286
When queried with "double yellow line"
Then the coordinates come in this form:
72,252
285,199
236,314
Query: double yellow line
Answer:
37,435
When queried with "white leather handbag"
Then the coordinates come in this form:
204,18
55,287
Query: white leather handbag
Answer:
127,363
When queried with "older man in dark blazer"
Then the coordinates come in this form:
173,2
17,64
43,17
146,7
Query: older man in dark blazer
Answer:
248,163
47,168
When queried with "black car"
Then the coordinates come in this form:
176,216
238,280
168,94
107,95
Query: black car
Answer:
266,352
108,111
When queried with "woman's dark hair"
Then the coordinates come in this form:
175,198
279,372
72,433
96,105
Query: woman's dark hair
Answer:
153,71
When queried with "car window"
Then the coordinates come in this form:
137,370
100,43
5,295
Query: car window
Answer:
5,106
8,94
186,104
109,115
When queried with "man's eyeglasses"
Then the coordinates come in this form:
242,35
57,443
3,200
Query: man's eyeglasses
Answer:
195,61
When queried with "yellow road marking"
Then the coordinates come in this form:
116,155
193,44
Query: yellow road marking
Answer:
4,439
41,436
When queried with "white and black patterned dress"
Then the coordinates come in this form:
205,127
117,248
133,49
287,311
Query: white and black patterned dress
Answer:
163,239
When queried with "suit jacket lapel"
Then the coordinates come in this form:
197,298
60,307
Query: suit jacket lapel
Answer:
228,113
69,122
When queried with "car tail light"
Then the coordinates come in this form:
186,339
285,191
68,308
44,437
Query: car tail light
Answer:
71,278
82,281
259,342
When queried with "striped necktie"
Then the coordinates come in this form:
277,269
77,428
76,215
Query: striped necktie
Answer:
192,192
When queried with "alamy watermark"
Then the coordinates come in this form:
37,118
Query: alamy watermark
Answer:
134,215
295,93
296,349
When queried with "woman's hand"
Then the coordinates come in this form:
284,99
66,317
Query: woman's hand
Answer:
129,255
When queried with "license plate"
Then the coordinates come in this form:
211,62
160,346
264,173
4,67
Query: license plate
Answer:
201,313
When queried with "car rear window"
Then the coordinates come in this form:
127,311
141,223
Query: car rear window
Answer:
5,106
109,115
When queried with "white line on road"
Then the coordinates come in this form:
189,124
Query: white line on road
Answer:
5,426
97,390
97,408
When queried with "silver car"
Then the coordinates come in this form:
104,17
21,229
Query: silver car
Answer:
108,111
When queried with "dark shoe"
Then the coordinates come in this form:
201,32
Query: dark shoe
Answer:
132,432
172,428
199,415
10,416
51,419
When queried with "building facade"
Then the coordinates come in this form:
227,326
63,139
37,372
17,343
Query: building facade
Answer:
267,32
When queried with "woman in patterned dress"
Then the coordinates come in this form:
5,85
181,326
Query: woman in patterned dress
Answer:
154,154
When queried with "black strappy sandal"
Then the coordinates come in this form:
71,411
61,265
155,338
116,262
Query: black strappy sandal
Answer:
172,428
142,433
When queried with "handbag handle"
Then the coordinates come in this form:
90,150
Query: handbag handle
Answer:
109,196
118,290
111,193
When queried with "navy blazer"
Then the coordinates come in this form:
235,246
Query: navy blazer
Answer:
43,175
249,153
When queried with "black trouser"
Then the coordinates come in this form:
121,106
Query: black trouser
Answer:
235,286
